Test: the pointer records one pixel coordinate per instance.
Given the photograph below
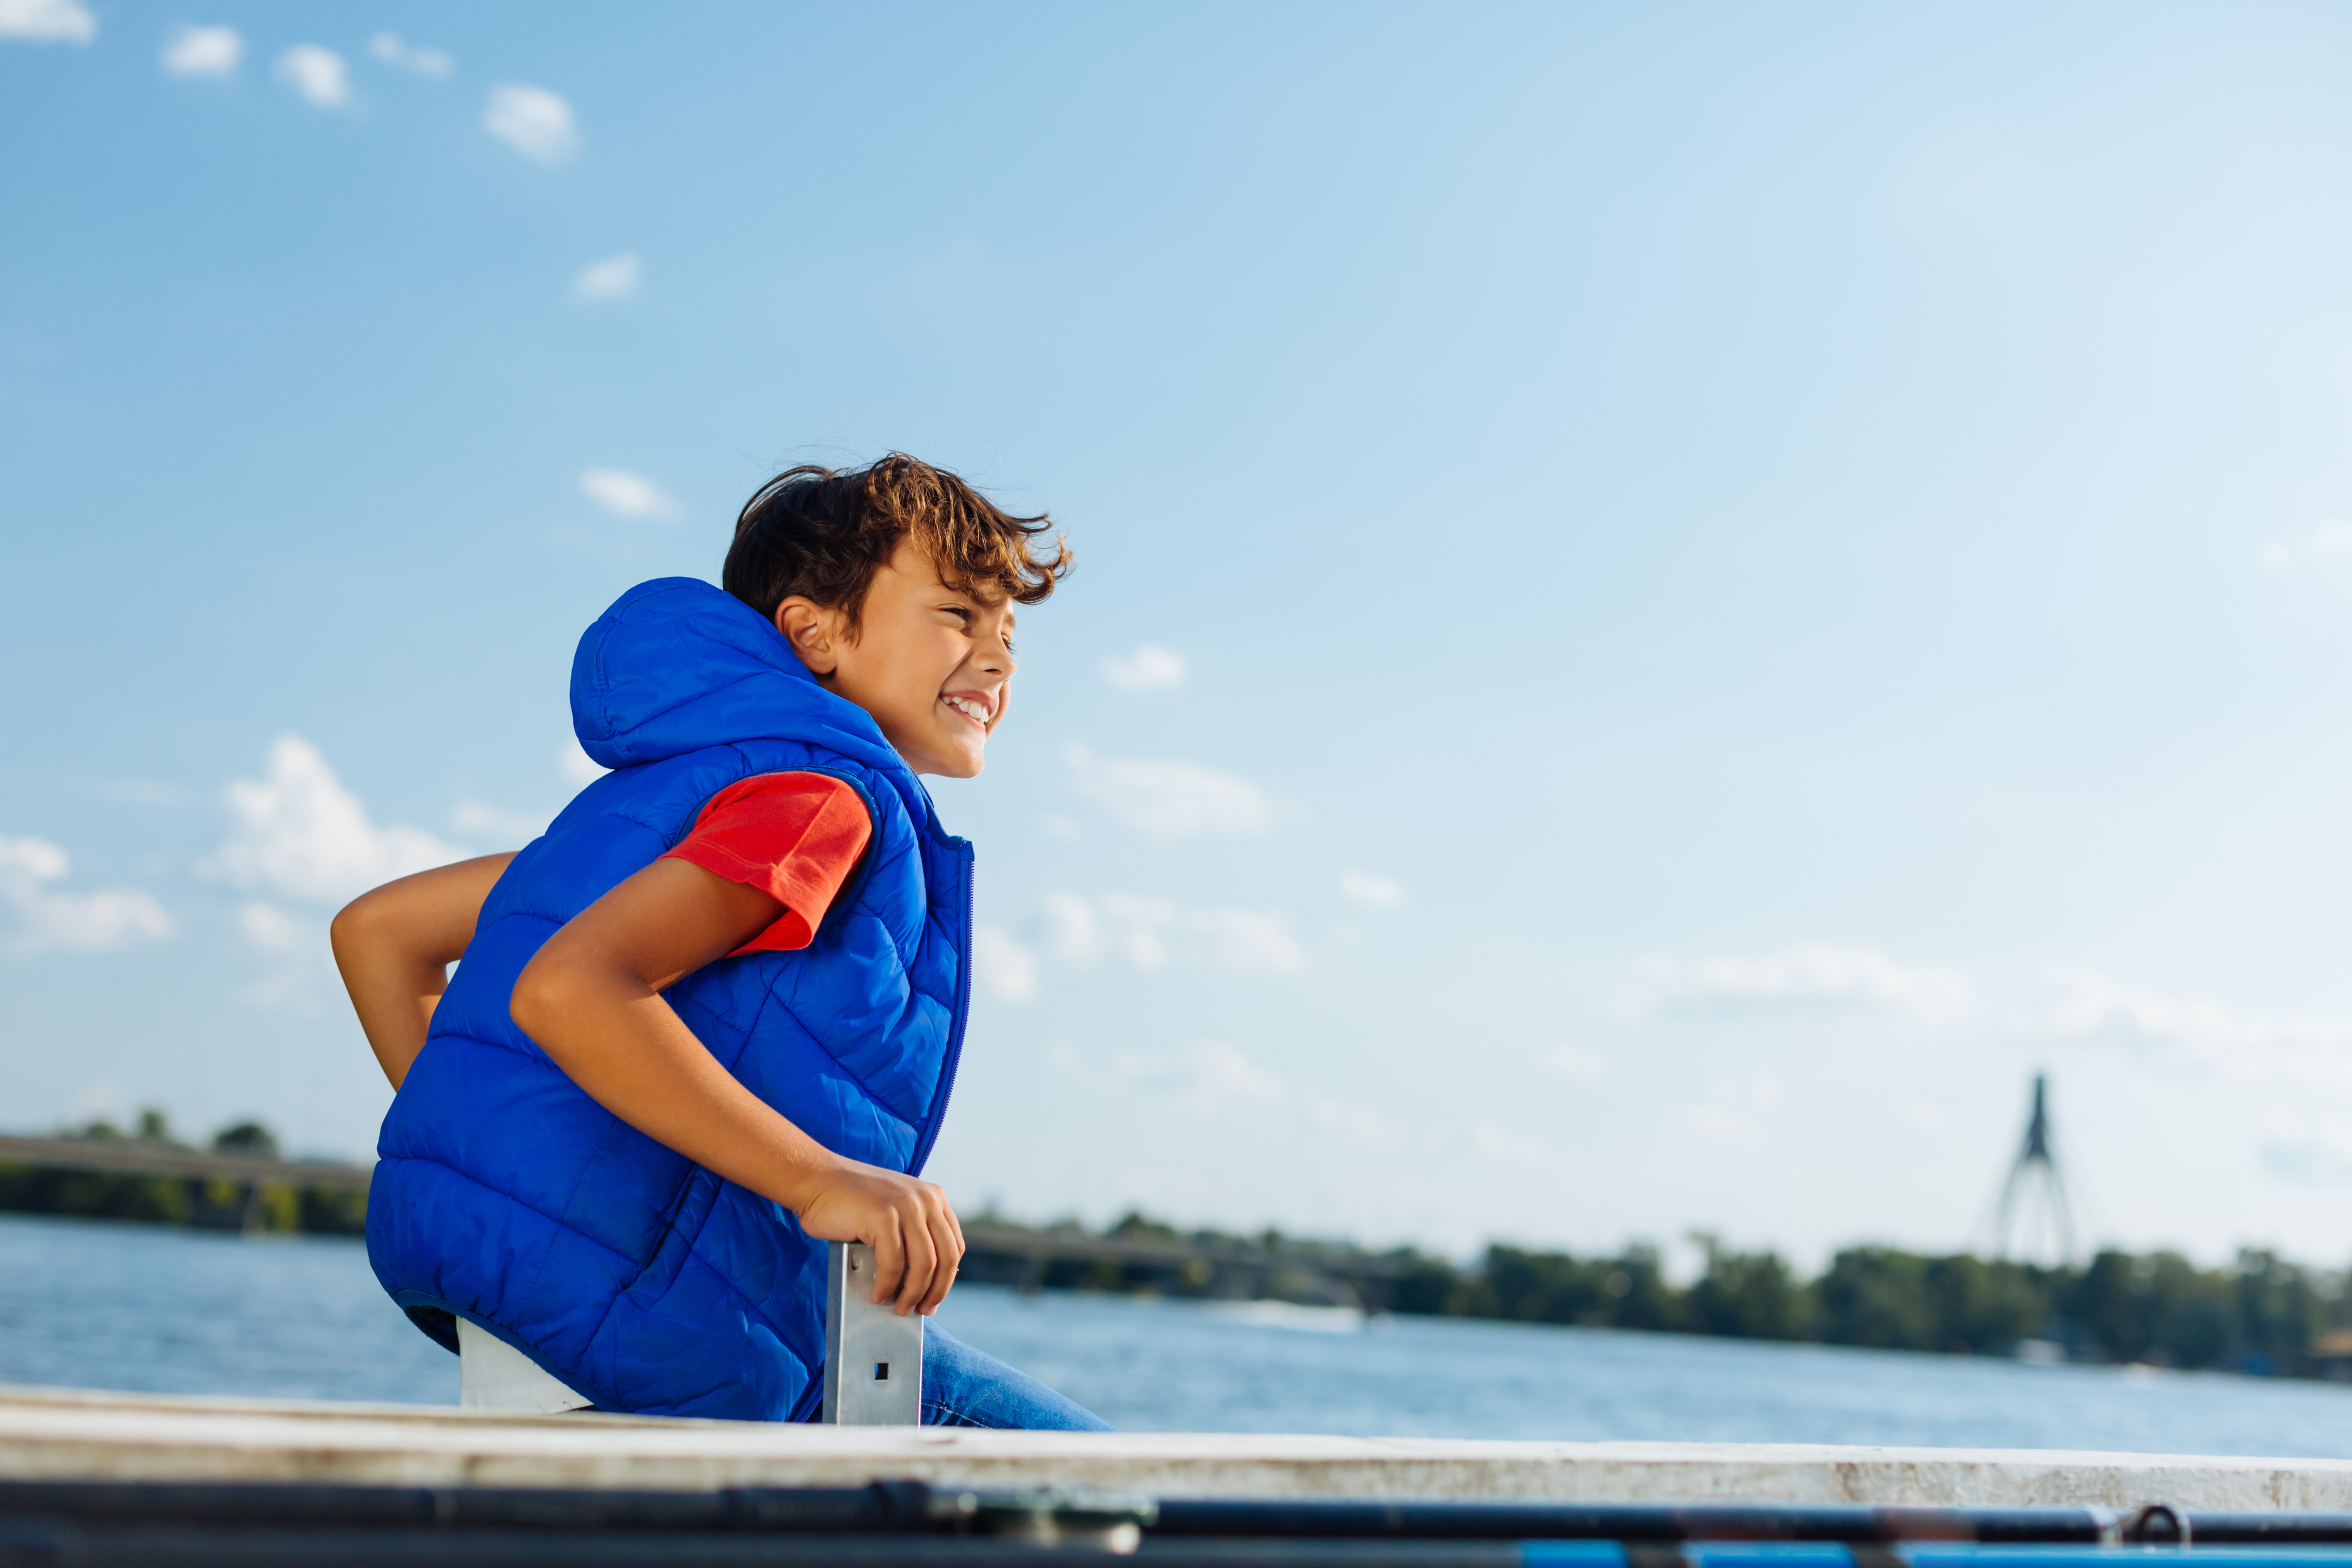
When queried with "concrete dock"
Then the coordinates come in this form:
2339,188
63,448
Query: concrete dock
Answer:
49,1433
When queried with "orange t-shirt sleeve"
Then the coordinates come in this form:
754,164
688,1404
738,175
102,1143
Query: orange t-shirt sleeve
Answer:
795,837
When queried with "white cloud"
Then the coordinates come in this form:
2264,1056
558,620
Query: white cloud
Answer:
1733,1112
1248,941
41,920
1371,890
1208,1077
614,278
1577,1062
393,51
1149,668
300,835
2314,1150
624,494
482,821
1352,1122
267,927
317,76
532,120
2320,542
2092,1006
1810,976
1217,1075
577,768
1006,968
1170,800
204,51
296,983
47,22
1499,1142
1150,933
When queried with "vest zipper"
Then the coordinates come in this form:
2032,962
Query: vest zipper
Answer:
955,1035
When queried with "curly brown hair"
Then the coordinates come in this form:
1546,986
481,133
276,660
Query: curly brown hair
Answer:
821,533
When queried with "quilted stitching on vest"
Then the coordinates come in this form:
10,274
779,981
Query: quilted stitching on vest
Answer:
506,1195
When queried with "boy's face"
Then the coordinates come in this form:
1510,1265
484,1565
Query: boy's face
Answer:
932,663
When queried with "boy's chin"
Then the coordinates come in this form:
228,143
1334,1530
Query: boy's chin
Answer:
953,765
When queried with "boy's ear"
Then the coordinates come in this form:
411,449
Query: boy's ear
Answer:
813,633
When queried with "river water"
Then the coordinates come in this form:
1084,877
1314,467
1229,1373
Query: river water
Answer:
103,1305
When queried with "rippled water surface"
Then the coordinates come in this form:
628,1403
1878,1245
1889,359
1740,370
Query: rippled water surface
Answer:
102,1305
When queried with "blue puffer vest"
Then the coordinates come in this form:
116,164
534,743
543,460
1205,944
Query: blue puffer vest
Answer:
506,1195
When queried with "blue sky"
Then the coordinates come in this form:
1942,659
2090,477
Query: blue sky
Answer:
1672,600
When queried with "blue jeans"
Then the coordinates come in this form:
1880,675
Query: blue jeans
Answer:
964,1387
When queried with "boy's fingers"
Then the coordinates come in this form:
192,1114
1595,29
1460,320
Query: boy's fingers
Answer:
890,1258
954,1226
951,1247
922,1263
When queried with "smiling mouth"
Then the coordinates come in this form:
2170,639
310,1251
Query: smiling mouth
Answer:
973,708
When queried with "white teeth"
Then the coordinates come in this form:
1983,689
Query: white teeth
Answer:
972,710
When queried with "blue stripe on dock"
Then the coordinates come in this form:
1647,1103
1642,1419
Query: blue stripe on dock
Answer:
1767,1554
1571,1554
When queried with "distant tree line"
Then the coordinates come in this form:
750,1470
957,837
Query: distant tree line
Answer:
178,1200
2261,1315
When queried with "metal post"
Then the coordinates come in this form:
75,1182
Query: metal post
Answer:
873,1357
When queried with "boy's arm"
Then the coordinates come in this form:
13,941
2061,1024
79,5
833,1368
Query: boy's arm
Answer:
591,998
394,947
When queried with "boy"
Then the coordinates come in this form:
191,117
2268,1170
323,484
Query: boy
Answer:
710,1021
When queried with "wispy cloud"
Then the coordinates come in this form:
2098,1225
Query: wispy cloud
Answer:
204,51
2092,1006
1149,668
575,766
1733,1111
1352,1122
267,927
47,22
2317,1152
1501,1143
1814,976
316,76
1002,966
1150,934
624,494
1207,1077
401,54
532,120
2319,542
1371,890
41,918
300,835
614,278
487,824
1577,1062
1170,800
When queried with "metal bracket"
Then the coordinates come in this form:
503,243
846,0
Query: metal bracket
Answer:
873,1357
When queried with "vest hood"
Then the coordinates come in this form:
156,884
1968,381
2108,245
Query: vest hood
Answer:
676,665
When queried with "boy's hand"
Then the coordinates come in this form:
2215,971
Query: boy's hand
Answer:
591,998
916,1241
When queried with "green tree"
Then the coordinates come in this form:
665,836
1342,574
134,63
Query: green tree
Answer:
246,1138
1875,1295
1745,1295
